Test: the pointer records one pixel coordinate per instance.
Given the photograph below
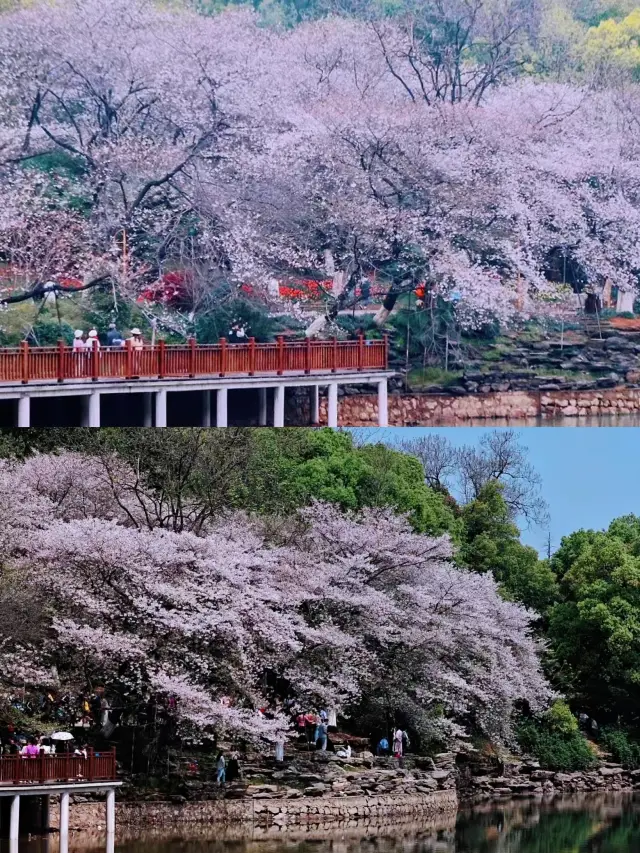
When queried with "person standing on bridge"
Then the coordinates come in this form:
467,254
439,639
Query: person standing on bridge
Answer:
136,339
114,337
78,341
92,340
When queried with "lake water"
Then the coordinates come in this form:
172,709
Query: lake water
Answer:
516,423
585,825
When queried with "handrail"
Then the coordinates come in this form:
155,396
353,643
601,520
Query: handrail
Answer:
58,364
60,767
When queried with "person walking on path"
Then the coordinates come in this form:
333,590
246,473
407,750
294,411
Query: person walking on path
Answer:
383,746
221,766
397,743
321,741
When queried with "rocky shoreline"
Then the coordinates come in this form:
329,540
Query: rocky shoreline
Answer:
482,780
323,789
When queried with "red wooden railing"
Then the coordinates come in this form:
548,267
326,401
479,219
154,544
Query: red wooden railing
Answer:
64,767
56,364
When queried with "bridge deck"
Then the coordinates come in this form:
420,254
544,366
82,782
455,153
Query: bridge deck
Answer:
55,365
18,772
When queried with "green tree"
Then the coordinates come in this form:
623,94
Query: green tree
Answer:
594,629
491,543
289,468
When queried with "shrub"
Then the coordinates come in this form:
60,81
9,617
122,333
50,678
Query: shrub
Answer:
555,740
621,746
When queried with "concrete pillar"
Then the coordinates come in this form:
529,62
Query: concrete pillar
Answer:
111,811
332,405
161,408
262,414
278,406
14,820
111,842
314,393
383,404
91,409
221,407
94,409
64,822
147,409
24,411
206,408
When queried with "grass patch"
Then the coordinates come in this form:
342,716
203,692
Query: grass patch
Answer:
423,377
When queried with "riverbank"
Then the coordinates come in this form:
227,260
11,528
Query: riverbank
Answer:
480,781
426,408
304,811
322,789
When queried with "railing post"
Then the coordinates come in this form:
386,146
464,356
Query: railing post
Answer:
334,366
192,358
24,351
223,356
360,352
129,351
162,359
252,356
42,776
386,351
60,361
280,355
91,772
307,355
94,361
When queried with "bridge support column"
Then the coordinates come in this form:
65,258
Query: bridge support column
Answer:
383,403
314,393
332,405
221,407
161,408
262,401
64,822
14,819
147,409
91,409
111,811
24,411
206,408
278,406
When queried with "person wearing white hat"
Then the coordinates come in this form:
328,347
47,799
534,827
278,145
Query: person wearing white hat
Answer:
93,341
78,342
136,339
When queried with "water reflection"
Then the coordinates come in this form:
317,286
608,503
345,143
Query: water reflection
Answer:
572,825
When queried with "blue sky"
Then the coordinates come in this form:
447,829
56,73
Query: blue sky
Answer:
590,475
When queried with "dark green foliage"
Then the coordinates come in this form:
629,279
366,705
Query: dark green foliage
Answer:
594,628
555,740
47,332
218,322
492,544
621,746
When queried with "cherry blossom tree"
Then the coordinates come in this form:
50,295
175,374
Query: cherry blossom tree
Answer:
117,108
139,138
326,608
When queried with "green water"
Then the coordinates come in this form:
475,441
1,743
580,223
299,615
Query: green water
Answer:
598,825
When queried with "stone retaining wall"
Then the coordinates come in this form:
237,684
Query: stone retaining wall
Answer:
305,810
424,409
